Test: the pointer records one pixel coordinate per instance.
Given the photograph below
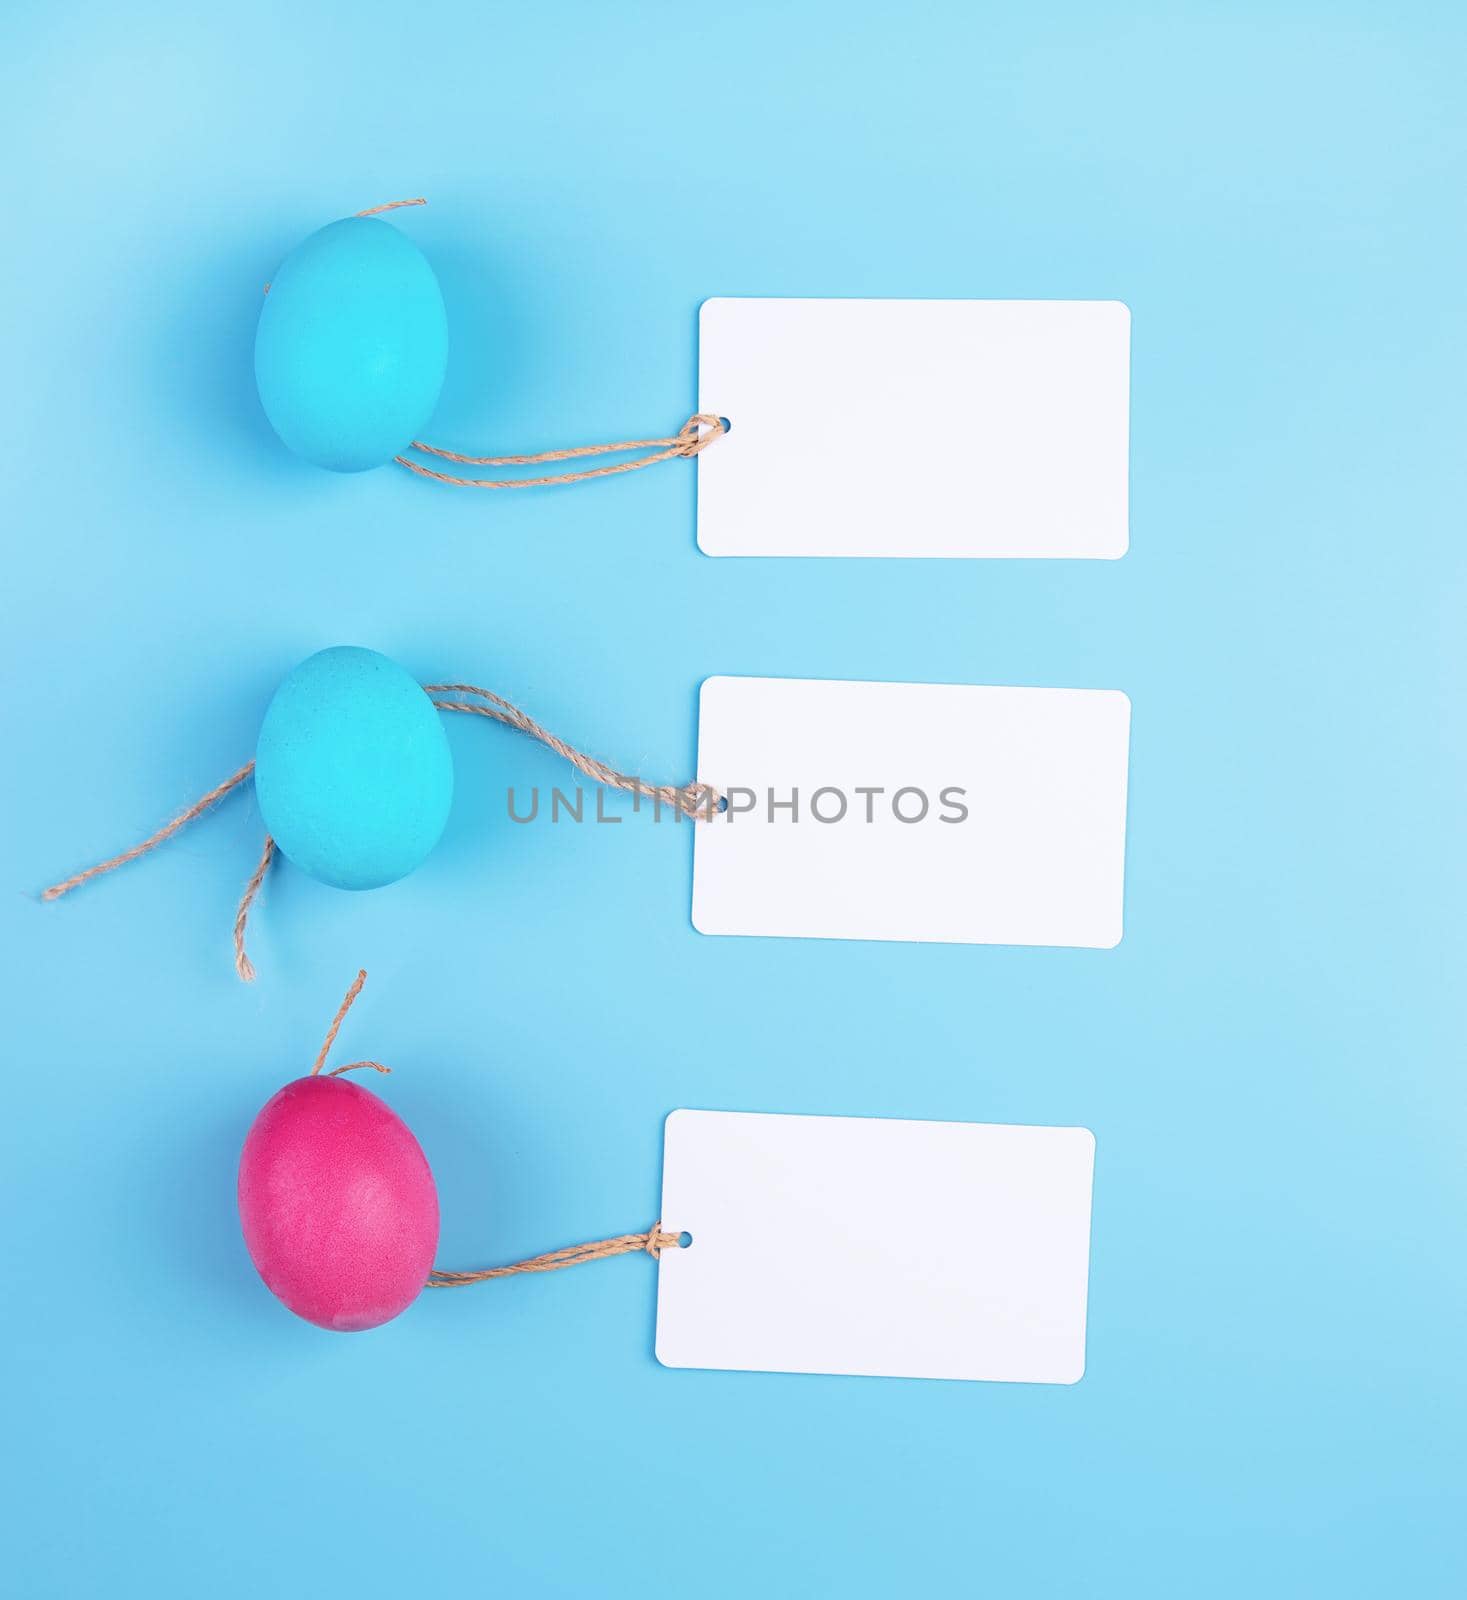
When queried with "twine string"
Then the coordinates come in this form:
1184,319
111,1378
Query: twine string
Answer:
654,1241
338,1019
335,1028
391,205
699,801
197,809
690,440
242,963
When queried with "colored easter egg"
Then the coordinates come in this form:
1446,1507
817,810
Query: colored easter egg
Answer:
352,770
352,345
338,1204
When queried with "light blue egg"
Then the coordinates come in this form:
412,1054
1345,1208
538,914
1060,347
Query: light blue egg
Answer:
352,770
352,345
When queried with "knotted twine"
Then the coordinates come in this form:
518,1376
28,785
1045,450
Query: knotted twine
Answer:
654,1241
690,440
699,801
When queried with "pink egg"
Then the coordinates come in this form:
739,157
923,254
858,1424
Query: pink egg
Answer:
338,1204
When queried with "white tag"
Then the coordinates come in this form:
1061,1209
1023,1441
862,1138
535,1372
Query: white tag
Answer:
929,812
882,1248
915,427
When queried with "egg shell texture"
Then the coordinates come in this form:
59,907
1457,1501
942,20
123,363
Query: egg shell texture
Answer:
352,345
353,771
338,1204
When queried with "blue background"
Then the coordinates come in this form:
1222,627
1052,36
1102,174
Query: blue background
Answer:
1271,1061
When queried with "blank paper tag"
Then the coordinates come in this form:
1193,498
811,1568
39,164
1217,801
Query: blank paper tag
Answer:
915,427
883,1248
912,811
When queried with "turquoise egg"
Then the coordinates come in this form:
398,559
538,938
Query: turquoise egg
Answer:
352,345
352,770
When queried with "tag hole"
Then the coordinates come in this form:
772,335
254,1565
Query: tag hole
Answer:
727,425
722,805
684,1240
